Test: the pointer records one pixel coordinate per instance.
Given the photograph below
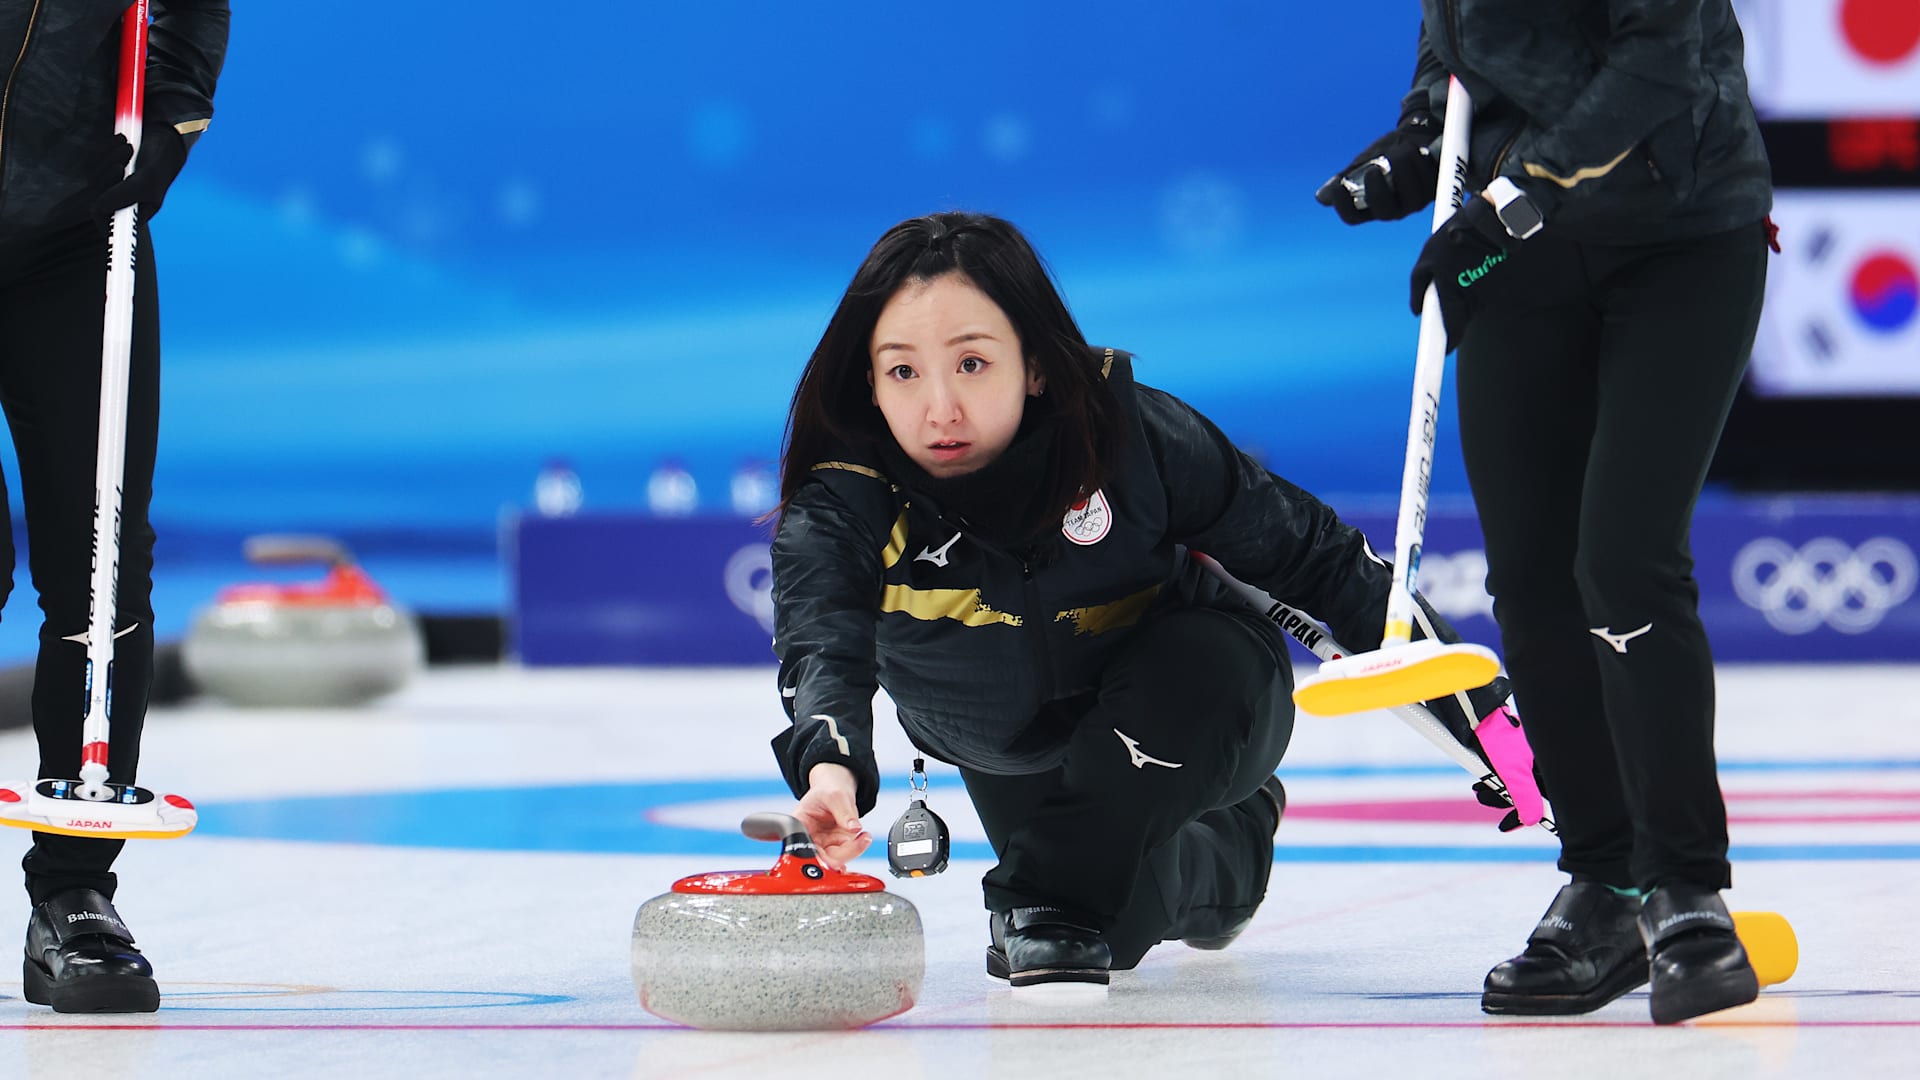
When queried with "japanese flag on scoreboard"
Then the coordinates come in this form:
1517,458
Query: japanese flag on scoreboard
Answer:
1813,59
1842,314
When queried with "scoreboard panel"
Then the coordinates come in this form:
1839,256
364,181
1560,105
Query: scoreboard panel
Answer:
1832,398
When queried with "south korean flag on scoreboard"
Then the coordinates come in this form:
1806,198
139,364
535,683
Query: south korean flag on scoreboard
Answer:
1816,59
1842,313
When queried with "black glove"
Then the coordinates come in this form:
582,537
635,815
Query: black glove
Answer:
163,150
1465,251
1484,792
1391,178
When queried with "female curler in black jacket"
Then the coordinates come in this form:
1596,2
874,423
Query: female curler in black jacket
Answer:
990,519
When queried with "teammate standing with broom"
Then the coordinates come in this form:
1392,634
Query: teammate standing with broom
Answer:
63,172
1603,290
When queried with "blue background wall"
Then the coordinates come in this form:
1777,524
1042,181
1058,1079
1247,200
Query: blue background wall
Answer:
417,254
424,248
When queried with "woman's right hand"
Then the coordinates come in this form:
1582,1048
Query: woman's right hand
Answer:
831,815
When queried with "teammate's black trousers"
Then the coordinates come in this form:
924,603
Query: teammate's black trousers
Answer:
1151,850
51,313
1593,384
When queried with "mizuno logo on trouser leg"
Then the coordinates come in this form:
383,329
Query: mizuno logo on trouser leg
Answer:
85,637
1140,760
1618,641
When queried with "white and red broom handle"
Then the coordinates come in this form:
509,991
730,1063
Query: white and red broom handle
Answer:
1429,365
110,468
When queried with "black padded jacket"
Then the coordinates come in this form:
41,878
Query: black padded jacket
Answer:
62,61
873,586
1628,121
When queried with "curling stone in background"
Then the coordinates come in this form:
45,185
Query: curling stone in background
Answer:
796,948
336,641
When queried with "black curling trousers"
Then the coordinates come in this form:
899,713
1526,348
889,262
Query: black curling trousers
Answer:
51,315
1593,384
1153,827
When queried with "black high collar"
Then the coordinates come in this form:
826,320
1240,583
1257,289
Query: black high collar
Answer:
1001,501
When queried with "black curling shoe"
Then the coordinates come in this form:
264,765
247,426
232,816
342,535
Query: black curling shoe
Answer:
1585,952
81,959
1698,964
1036,945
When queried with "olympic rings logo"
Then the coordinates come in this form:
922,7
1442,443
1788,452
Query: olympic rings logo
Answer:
749,582
1825,582
1456,585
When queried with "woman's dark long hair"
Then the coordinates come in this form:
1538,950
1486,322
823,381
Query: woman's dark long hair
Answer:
833,405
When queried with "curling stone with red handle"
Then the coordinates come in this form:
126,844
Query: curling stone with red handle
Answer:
335,642
799,947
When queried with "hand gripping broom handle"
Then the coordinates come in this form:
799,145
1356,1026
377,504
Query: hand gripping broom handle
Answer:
111,464
1429,366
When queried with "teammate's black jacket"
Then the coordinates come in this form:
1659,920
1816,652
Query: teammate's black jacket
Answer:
1628,120
871,583
62,62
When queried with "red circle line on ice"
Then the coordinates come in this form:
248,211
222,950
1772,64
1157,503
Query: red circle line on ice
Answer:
1883,32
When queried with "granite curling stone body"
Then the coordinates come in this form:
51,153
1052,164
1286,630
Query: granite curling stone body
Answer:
796,948
336,642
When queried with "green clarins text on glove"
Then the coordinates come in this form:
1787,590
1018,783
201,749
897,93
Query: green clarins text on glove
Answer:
1475,273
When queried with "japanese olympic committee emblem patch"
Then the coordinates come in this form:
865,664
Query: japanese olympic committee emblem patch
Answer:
1088,521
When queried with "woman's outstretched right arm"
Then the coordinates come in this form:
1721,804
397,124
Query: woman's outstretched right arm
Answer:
826,595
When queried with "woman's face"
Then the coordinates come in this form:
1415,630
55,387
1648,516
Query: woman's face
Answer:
948,375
